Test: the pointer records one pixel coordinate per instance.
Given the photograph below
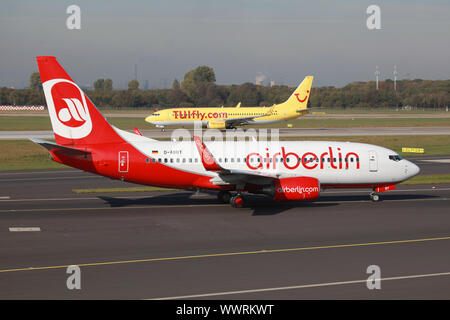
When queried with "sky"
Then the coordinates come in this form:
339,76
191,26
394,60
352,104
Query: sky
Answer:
280,40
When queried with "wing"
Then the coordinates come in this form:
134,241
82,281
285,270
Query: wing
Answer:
233,176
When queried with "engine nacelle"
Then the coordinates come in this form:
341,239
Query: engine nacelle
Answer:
296,189
216,124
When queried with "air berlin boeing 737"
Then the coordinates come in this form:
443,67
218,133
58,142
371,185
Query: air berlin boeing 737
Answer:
284,170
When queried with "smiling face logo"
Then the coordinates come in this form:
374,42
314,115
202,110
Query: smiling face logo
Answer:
304,99
68,109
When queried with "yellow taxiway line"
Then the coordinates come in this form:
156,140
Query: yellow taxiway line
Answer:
202,256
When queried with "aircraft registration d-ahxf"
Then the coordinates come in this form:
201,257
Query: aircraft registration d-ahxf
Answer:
228,118
284,170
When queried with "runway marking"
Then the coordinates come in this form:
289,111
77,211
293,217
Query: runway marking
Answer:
24,229
40,172
303,286
397,190
227,254
115,208
8,199
54,178
205,205
437,161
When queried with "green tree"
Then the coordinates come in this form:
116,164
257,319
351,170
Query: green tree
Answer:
133,85
108,85
99,84
192,79
176,85
35,81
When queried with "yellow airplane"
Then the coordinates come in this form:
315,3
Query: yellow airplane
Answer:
229,118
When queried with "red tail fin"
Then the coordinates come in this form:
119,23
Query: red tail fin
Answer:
75,119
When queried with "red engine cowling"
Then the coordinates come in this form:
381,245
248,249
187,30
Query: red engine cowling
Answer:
297,188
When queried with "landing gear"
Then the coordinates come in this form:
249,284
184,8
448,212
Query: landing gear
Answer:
224,196
374,197
237,201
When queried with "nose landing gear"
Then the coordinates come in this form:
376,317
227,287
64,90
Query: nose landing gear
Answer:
374,197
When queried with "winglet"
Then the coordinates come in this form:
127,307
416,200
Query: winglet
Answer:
137,131
207,159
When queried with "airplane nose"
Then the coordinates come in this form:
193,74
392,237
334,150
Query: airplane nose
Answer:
412,168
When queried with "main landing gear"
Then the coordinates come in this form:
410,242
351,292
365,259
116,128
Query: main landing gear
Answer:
236,201
374,196
224,196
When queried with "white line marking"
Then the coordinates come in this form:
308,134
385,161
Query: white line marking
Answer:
69,199
151,196
437,161
45,179
5,198
315,285
24,229
397,190
39,172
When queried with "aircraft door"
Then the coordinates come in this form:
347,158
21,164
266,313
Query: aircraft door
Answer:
123,161
373,161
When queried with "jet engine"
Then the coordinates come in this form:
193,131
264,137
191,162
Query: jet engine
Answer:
216,124
295,189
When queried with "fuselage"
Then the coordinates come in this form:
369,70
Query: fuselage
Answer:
179,165
188,116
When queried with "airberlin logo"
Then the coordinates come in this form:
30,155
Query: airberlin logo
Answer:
304,99
68,109
297,189
333,158
74,114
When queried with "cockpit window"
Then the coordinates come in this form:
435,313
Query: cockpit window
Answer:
155,114
395,157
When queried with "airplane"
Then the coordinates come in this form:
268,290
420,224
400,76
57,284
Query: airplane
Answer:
229,118
283,170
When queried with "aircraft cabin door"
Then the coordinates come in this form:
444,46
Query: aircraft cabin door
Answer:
123,161
373,161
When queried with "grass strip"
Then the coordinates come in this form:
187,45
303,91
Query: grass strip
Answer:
428,179
17,123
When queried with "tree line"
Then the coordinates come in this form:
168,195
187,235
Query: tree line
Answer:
199,89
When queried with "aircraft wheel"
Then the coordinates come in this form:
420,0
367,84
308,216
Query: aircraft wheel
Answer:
237,201
224,196
374,197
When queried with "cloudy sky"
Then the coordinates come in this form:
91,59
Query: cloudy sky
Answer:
281,40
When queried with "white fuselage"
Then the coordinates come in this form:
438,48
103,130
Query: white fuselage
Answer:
332,163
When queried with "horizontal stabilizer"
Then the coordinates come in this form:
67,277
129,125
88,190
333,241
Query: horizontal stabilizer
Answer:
52,146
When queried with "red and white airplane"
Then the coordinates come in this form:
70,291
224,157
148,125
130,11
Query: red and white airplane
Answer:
284,170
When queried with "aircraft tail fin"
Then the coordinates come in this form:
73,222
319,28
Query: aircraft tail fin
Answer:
75,119
299,98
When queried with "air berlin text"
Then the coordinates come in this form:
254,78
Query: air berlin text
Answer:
308,160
